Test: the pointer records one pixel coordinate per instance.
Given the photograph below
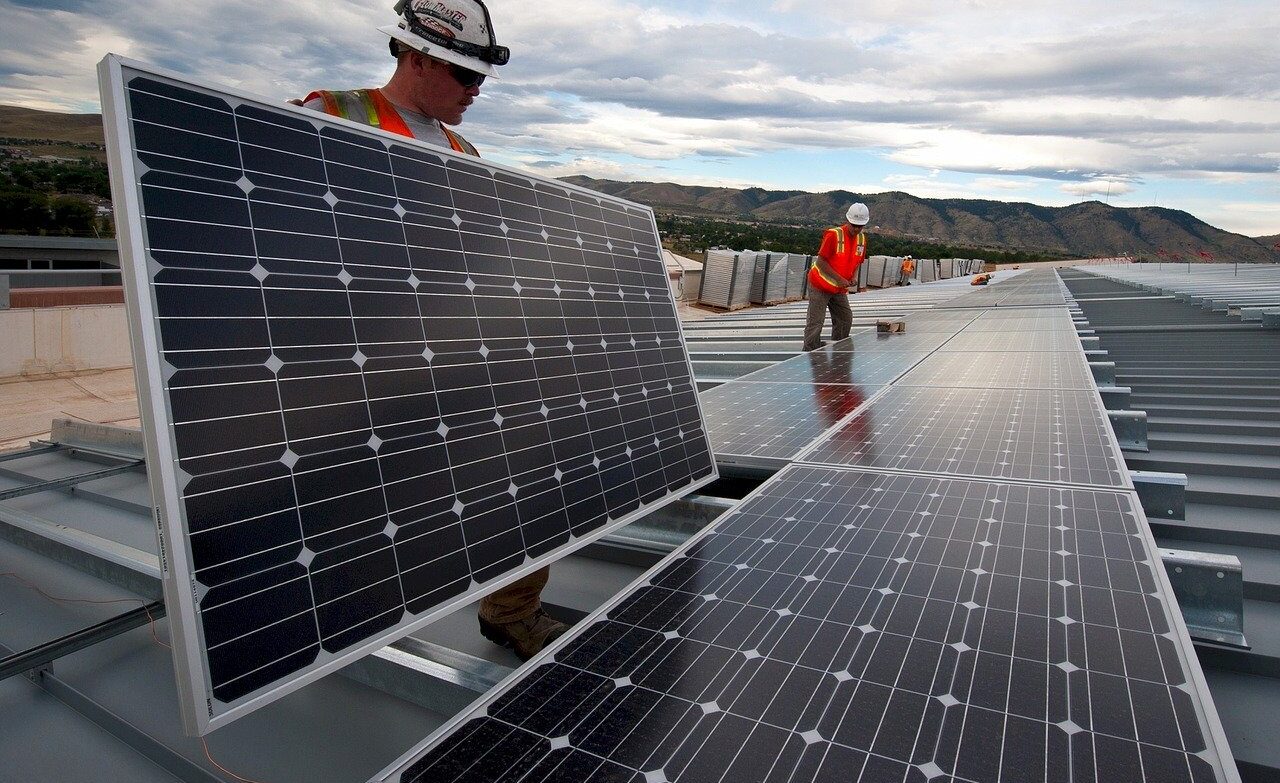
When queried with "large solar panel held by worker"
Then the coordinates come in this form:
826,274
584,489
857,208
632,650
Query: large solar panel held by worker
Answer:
863,627
1031,434
377,378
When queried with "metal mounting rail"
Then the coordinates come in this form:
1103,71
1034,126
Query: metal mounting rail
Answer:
69,481
45,449
52,650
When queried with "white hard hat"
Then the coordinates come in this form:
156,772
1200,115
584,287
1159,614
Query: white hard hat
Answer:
858,214
456,31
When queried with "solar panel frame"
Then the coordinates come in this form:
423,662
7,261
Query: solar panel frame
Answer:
1216,755
201,712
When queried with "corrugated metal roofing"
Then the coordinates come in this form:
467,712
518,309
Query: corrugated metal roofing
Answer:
1210,385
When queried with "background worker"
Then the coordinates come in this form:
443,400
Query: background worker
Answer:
908,269
444,50
834,270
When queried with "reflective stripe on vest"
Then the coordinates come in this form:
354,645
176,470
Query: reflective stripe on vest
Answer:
371,107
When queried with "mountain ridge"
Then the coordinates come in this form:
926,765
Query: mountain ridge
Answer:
1086,229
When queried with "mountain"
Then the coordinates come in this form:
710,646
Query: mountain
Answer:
1269,241
24,123
1085,230
52,133
1088,229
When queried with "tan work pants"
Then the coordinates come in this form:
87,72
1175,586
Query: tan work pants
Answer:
516,601
841,317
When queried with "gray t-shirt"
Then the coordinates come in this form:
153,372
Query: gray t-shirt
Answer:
424,128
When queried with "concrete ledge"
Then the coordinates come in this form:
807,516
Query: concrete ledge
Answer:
44,341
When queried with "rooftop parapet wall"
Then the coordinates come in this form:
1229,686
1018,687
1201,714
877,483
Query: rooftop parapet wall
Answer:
44,341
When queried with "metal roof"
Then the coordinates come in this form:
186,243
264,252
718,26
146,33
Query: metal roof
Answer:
112,706
1210,385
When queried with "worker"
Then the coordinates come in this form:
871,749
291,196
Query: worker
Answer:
834,270
444,51
908,269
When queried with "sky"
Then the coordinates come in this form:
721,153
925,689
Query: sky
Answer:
1136,103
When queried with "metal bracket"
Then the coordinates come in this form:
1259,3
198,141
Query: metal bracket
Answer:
1130,428
1210,591
1115,398
1104,373
1090,343
1163,495
1271,319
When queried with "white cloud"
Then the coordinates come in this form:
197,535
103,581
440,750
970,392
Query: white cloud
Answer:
1097,187
1007,91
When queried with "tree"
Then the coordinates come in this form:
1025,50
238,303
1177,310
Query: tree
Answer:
23,212
73,217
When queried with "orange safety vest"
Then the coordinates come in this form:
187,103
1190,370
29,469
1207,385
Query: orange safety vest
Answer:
844,262
908,266
372,108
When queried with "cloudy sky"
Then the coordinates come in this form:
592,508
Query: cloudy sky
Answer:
1173,103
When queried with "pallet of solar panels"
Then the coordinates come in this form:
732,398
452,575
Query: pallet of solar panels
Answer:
797,276
926,270
874,270
726,279
769,281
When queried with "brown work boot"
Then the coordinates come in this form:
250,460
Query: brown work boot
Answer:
528,636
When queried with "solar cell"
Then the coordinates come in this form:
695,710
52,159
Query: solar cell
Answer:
1002,369
852,626
1038,435
767,424
377,378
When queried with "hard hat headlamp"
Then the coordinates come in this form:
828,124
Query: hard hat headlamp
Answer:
492,54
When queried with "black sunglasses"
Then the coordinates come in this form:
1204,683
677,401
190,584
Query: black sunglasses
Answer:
466,77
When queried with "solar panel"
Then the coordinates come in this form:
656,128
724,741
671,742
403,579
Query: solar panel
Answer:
1038,435
378,379
1007,369
980,340
990,321
904,342
827,365
764,425
852,626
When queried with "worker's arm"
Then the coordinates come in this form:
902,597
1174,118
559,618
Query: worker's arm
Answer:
824,268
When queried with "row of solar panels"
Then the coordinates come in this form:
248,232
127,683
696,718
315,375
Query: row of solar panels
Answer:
949,578
736,279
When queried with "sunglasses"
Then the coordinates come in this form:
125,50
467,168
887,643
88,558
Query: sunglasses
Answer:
466,77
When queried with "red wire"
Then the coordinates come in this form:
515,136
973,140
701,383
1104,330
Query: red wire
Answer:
62,599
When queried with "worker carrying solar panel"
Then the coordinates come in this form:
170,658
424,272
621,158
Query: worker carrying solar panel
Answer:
908,269
444,51
834,269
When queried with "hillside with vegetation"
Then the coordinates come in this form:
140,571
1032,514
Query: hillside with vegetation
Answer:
53,174
975,228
